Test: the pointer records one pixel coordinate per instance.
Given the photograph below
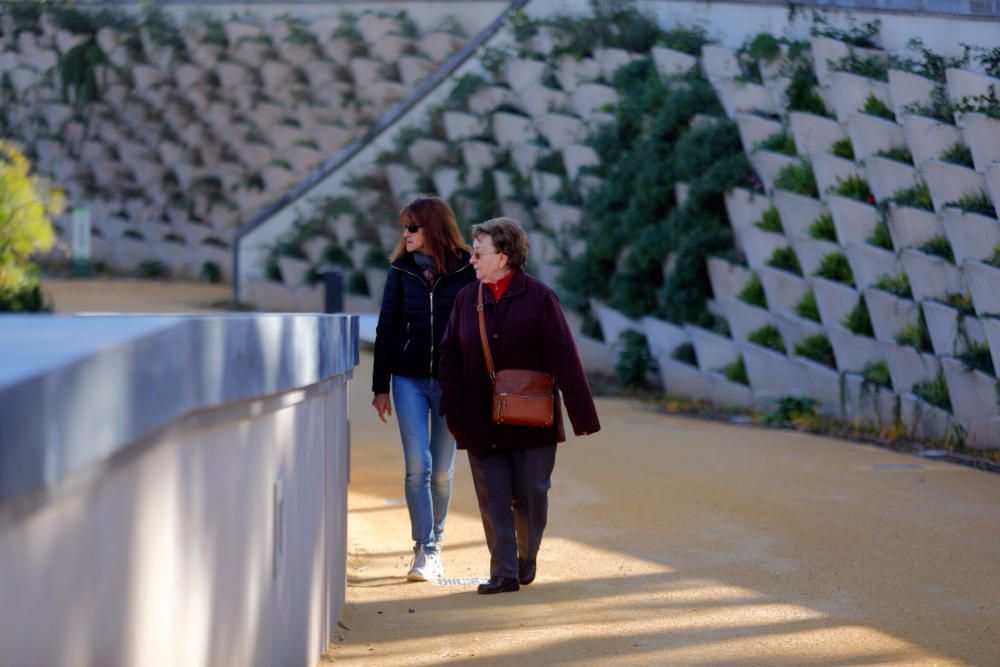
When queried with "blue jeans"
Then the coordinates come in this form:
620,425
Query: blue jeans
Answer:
429,455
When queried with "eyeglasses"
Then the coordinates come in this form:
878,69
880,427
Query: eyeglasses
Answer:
476,255
413,229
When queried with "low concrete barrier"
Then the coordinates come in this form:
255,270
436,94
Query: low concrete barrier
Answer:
173,488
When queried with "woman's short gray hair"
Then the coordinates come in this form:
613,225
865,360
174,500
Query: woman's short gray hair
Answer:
508,237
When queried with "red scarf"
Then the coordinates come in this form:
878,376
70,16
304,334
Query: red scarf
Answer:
500,286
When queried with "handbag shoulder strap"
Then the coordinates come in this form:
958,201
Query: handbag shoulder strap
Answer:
482,336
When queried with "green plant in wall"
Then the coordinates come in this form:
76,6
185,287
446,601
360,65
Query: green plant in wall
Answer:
753,292
898,285
767,336
880,236
933,66
919,196
876,374
916,335
872,67
817,348
939,246
784,258
80,71
864,35
835,266
634,359
736,372
770,221
897,154
854,186
958,153
975,202
822,228
977,357
859,321
801,91
843,148
934,391
610,23
798,178
807,308
874,106
763,46
685,354
779,142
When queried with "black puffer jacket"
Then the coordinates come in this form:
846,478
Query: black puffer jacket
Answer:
412,320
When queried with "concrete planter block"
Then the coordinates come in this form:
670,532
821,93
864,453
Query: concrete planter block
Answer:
754,129
972,236
439,45
278,179
821,384
993,184
570,72
128,253
906,89
726,393
365,71
558,218
814,134
768,164
314,248
537,100
912,227
869,263
712,350
232,74
718,62
744,208
374,28
931,277
886,176
777,86
522,73
849,92
783,290
829,169
927,138
478,155
679,379
320,72
984,284
739,96
524,157
504,185
391,48
402,181
591,97
236,31
991,330
834,300
663,337
825,49
758,245
145,77
868,404
852,352
577,157
924,421
613,323
812,251
383,94
424,153
486,100
772,375
907,366
727,279
250,54
253,156
982,136
854,220
669,62
870,134
284,137
332,139
794,328
797,212
973,393
948,331
948,182
543,248
963,83
511,129
459,125
545,185
414,69
561,130
176,256
610,60
446,182
743,318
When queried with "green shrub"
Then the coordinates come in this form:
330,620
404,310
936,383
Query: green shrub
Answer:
898,285
210,272
152,268
767,336
736,372
551,163
834,266
779,142
822,228
357,283
876,107
859,321
801,91
770,221
634,359
994,260
792,410
26,298
880,237
960,302
872,67
919,196
978,202
854,186
876,374
959,154
934,391
865,36
976,356
797,177
753,292
939,247
817,347
898,154
916,335
685,353
807,308
843,148
786,260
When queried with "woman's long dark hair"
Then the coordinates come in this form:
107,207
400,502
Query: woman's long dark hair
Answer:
442,238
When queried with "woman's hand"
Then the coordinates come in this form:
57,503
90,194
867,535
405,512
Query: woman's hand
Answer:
382,406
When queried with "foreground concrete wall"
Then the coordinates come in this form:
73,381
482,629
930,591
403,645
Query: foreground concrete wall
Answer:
216,539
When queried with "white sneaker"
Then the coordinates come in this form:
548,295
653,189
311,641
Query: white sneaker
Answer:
426,565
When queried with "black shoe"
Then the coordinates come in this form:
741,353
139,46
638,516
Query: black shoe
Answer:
499,585
525,571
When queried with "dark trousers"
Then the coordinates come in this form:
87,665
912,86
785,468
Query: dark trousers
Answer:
513,488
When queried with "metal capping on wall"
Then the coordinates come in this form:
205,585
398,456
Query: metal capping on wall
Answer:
968,9
384,123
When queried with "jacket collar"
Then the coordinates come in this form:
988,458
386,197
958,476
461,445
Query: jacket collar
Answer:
408,264
517,286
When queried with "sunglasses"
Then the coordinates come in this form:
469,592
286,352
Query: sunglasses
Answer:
478,255
413,229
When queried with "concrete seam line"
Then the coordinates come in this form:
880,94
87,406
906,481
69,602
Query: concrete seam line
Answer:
77,481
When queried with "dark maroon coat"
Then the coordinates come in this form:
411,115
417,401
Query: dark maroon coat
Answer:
526,330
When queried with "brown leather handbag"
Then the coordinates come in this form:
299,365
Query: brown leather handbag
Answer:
520,397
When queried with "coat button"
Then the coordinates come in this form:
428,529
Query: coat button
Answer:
495,336
493,446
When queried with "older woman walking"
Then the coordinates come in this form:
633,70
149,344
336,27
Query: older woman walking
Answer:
511,465
429,266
